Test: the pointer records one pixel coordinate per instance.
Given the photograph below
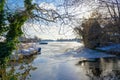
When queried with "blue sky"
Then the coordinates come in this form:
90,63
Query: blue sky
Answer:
55,2
12,4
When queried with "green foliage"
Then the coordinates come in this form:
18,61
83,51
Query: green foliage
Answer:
2,16
15,20
2,2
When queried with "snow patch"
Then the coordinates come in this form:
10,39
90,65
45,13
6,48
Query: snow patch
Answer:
88,53
112,47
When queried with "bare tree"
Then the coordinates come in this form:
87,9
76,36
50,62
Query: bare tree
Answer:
109,13
113,8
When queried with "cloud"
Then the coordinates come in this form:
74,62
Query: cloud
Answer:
47,6
53,32
48,32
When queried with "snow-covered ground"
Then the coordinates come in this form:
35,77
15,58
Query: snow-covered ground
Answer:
76,50
25,49
111,48
83,52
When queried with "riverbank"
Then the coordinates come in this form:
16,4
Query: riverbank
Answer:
110,49
25,50
83,52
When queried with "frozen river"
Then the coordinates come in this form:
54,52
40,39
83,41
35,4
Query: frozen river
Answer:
54,64
57,62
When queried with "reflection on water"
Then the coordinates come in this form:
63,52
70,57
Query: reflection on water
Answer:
101,69
54,64
17,70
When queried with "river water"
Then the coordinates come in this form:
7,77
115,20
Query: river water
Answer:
54,63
